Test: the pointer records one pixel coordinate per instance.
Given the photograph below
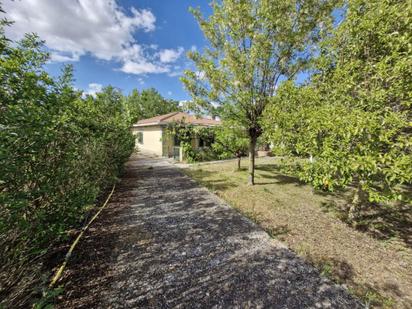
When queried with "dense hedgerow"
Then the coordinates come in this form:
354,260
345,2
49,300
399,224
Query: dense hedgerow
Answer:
58,151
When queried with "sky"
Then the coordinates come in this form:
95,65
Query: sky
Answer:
125,43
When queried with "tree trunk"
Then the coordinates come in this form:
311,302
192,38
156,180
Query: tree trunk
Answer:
360,198
238,163
252,147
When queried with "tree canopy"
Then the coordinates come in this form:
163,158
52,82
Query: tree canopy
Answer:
354,116
149,103
253,46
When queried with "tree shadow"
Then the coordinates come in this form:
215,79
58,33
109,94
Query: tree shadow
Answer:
276,173
277,231
219,184
382,222
340,271
385,222
272,167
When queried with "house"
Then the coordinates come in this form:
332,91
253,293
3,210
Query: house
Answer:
151,133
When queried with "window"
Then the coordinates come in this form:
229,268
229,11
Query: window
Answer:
140,137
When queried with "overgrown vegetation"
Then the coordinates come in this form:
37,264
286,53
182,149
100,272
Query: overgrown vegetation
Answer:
218,142
58,151
185,134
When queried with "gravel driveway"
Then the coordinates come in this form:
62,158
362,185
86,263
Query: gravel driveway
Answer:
165,242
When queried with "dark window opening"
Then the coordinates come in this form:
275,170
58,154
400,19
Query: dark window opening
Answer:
206,142
140,137
176,141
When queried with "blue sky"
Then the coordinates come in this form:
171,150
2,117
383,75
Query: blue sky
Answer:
126,43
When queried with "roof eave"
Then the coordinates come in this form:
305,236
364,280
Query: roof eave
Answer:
164,123
146,124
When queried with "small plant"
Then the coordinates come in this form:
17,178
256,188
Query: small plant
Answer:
48,298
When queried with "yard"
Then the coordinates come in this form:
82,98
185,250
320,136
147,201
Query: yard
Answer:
374,261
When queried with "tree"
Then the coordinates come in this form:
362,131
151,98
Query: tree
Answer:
253,46
231,141
149,103
354,117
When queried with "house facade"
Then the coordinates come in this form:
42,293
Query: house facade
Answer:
151,135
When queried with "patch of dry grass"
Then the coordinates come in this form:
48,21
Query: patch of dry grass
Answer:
379,271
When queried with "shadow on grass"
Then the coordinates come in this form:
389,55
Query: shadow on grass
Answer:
278,231
219,184
382,222
278,174
342,272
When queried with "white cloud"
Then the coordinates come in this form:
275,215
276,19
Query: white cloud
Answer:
170,55
169,93
93,89
142,67
175,73
100,28
61,57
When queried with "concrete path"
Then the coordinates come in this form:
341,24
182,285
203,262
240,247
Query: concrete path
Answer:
165,242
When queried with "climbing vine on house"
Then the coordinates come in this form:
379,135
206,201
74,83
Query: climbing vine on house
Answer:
184,133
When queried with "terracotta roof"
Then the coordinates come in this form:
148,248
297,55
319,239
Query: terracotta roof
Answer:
175,117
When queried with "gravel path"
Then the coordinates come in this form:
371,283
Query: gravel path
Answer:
165,242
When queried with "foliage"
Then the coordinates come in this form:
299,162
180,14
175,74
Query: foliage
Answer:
149,103
354,118
254,45
231,141
58,152
184,133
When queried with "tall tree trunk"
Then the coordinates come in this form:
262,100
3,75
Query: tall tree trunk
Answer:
238,163
252,147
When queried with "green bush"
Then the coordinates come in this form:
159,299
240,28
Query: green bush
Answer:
185,133
352,119
58,151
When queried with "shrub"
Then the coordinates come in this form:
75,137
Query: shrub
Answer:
58,152
353,118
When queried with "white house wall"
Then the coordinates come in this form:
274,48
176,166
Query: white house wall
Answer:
152,139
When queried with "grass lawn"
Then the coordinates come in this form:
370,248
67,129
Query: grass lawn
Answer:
375,264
